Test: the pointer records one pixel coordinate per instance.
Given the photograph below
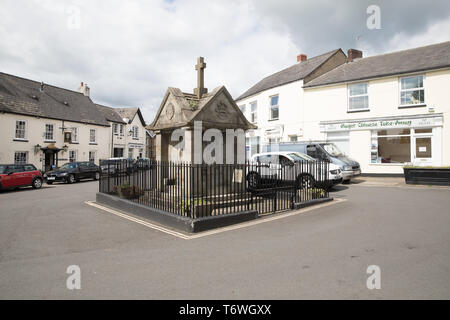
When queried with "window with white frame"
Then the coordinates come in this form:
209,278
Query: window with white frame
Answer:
121,129
135,132
130,153
115,126
412,91
274,108
92,136
74,134
20,157
20,130
92,156
49,136
358,97
72,155
253,112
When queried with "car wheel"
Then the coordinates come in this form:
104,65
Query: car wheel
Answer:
49,182
305,182
254,180
70,178
96,176
346,181
37,183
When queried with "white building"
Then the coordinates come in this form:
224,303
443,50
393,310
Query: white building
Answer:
128,133
48,126
383,111
275,104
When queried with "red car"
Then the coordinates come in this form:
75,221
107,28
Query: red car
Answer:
13,176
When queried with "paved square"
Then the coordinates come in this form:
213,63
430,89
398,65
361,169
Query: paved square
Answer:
322,253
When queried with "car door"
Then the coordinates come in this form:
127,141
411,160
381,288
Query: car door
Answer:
17,175
287,168
83,170
8,178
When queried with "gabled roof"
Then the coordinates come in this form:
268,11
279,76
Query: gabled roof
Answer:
23,96
110,113
294,73
190,107
430,57
130,113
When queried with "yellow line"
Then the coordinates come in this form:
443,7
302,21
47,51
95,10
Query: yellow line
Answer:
218,230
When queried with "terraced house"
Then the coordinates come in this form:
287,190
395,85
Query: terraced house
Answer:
48,126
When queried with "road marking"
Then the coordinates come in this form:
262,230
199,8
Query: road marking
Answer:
217,230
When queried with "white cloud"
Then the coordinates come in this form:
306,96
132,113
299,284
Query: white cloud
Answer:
130,52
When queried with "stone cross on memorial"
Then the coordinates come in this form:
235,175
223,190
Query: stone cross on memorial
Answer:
200,67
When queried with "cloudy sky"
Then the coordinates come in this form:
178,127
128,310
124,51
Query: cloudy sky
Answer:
129,52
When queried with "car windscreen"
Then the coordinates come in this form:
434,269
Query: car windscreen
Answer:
296,157
2,169
305,157
68,166
332,149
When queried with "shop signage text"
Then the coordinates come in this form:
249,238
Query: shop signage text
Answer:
382,124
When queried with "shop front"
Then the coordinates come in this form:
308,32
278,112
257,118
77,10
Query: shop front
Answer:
385,145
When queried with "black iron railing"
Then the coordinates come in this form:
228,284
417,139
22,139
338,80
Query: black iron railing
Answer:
198,191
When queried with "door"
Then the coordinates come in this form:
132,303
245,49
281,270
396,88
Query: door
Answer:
423,153
49,160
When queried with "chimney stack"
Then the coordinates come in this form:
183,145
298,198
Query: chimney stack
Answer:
302,57
84,89
354,54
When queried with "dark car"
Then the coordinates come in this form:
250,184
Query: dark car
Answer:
73,171
143,164
116,166
13,176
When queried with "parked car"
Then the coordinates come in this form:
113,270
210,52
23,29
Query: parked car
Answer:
73,171
143,163
19,175
334,171
115,166
290,168
325,151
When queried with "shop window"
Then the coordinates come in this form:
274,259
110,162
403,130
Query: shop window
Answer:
418,131
412,91
391,146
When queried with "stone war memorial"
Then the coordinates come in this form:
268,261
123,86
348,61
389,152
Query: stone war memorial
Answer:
201,179
200,128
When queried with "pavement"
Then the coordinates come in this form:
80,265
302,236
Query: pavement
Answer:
322,253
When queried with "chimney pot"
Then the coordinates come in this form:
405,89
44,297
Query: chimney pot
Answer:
84,89
354,54
302,57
